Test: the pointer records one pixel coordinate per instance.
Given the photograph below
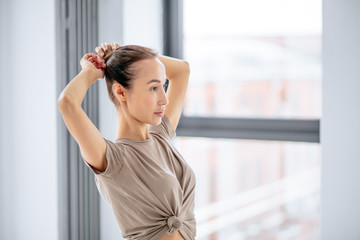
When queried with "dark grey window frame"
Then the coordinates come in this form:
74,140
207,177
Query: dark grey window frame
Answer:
78,201
271,129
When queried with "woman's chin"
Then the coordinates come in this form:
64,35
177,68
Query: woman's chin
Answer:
156,121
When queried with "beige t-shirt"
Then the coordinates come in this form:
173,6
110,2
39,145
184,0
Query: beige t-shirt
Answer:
149,185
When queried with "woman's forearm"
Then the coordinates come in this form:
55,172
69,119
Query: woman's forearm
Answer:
75,91
174,67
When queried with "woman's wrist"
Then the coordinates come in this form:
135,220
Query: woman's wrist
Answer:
91,74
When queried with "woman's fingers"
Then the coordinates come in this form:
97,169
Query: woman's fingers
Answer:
114,45
91,61
104,46
85,58
91,58
88,55
99,61
100,51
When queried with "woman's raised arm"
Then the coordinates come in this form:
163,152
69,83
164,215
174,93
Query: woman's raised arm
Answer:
91,143
177,71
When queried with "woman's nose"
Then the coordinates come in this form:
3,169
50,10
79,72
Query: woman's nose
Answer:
164,100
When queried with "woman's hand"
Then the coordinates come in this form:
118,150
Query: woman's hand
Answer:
93,63
106,49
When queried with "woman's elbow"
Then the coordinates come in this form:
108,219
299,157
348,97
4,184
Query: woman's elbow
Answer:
63,103
187,67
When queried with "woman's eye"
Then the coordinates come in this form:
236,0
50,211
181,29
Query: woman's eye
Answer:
154,88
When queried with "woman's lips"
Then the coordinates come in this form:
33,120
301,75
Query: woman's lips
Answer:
159,113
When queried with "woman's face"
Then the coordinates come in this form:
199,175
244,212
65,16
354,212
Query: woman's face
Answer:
147,96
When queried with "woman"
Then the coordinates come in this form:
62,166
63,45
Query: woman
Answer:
146,181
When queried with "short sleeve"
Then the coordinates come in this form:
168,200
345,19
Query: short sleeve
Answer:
164,128
115,159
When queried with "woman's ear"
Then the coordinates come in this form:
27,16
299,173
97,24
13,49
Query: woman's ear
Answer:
119,91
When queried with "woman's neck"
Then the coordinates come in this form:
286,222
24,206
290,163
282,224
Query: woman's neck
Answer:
131,128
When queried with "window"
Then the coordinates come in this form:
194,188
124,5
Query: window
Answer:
251,119
253,58
249,189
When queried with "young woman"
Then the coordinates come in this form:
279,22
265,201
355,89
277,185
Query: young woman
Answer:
143,177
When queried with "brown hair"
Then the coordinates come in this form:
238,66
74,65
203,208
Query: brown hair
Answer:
119,66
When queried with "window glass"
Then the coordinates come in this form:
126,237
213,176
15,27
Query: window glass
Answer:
249,189
258,58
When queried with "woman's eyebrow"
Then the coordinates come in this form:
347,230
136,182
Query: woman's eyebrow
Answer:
155,80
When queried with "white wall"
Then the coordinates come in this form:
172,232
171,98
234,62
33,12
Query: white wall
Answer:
28,173
126,22
340,124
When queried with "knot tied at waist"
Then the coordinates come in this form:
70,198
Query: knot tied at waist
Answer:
174,224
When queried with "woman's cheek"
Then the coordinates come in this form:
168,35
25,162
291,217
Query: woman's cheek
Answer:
149,103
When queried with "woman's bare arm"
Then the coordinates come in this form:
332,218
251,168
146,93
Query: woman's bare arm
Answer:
91,143
177,71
